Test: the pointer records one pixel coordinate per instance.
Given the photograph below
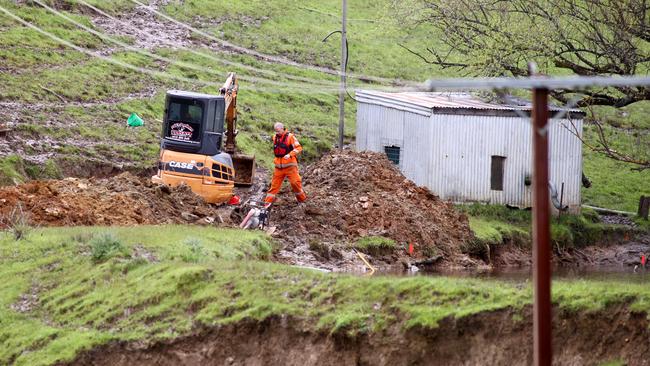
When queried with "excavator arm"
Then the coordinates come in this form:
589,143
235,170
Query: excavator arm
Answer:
244,164
229,92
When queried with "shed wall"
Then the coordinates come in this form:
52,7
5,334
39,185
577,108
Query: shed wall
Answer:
451,154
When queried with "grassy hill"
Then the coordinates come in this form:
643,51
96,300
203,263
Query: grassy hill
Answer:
68,107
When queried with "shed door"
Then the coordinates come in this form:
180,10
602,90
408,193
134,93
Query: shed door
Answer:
497,170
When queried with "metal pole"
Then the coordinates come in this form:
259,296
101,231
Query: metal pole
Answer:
344,60
541,232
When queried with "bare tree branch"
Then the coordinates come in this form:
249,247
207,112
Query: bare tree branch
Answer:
587,37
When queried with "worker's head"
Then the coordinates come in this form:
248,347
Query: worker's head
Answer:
278,127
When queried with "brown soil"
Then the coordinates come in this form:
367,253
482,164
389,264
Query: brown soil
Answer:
622,248
484,339
353,195
121,200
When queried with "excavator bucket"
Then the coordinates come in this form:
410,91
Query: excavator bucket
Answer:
244,169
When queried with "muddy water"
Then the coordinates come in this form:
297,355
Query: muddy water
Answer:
595,273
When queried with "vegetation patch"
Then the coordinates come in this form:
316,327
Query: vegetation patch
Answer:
107,246
491,233
375,245
495,224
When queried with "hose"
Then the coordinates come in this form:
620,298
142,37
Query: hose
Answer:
554,198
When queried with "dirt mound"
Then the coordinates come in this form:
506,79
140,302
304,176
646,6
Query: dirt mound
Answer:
121,200
354,195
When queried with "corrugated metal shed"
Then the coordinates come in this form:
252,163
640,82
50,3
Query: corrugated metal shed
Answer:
447,141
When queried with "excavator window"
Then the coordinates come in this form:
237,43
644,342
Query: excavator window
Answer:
184,120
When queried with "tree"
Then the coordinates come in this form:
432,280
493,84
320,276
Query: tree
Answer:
583,37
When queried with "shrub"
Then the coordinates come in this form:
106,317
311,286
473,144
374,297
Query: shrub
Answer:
17,223
106,246
193,251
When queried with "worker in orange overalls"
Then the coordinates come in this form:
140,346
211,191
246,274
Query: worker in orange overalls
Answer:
285,147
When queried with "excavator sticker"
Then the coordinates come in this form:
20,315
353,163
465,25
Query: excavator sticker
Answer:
183,167
181,131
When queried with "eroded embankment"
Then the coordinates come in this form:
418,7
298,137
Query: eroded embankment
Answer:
492,338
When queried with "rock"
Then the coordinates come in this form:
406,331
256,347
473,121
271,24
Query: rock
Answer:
189,216
164,188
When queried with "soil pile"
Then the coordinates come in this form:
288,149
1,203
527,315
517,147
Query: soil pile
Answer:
353,195
121,200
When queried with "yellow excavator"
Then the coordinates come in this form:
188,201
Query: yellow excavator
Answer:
191,150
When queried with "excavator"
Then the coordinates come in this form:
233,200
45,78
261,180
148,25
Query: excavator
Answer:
192,150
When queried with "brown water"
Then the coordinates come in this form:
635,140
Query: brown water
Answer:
592,273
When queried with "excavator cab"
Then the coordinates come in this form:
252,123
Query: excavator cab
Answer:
191,149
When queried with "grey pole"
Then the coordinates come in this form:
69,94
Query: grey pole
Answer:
344,60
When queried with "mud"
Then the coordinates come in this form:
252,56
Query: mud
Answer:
146,29
121,200
622,250
486,339
354,195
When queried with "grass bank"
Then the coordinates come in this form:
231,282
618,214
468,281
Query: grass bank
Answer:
65,290
495,225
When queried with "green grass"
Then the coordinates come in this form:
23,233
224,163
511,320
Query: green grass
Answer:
375,245
495,225
161,282
295,29
15,170
633,116
614,184
11,170
495,232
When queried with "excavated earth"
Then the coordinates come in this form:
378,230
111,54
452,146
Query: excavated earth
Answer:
121,200
358,194
491,338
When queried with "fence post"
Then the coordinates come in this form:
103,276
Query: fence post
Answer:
644,207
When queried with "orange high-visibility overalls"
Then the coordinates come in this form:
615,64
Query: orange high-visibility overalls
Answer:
286,168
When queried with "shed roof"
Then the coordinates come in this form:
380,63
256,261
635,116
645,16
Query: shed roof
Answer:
427,103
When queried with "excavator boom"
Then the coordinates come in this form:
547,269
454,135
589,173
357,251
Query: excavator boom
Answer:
244,164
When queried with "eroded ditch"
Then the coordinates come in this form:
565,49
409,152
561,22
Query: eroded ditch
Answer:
502,337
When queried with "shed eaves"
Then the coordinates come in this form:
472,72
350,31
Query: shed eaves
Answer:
427,102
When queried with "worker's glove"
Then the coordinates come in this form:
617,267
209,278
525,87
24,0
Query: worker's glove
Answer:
286,157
